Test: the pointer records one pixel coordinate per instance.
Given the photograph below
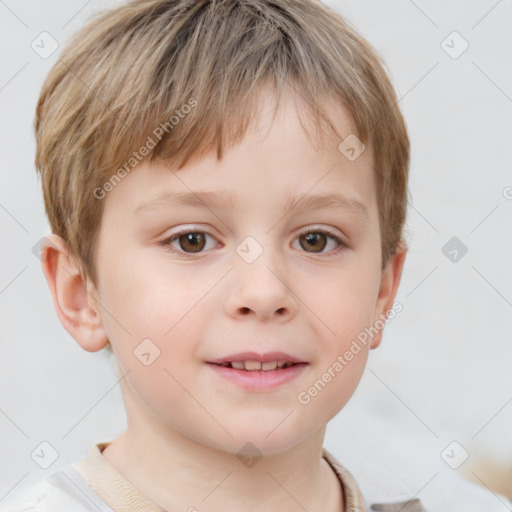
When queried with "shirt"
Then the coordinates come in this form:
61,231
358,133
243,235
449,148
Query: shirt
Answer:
92,484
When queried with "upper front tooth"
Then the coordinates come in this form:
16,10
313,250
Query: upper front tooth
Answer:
252,365
256,365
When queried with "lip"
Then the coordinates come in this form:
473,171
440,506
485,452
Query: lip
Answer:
254,356
258,380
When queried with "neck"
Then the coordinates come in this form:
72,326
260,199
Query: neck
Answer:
178,473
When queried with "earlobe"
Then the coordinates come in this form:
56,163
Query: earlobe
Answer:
390,281
76,308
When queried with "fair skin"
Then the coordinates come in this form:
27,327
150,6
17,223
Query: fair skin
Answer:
186,423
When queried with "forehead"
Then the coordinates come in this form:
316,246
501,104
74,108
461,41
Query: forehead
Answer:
276,154
299,119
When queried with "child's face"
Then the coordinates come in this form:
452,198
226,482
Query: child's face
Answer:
200,299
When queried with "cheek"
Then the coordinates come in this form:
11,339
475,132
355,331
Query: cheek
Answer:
159,356
333,385
345,306
166,392
142,304
346,313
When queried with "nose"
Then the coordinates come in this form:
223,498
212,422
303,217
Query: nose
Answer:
262,290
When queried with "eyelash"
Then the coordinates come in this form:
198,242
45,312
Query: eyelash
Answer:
334,252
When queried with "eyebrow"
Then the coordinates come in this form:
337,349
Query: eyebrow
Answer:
224,199
220,199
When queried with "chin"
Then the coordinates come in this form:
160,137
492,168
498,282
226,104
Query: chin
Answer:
251,441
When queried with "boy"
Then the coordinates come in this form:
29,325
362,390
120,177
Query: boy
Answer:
229,255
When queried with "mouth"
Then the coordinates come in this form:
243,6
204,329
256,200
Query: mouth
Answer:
252,361
252,366
254,372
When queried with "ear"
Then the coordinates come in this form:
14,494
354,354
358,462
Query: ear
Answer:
390,280
73,298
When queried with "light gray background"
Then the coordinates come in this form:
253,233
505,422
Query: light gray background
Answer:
443,372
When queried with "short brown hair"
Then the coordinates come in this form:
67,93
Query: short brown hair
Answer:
132,68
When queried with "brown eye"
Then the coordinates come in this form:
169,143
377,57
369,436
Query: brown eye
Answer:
192,242
316,241
188,242
323,242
